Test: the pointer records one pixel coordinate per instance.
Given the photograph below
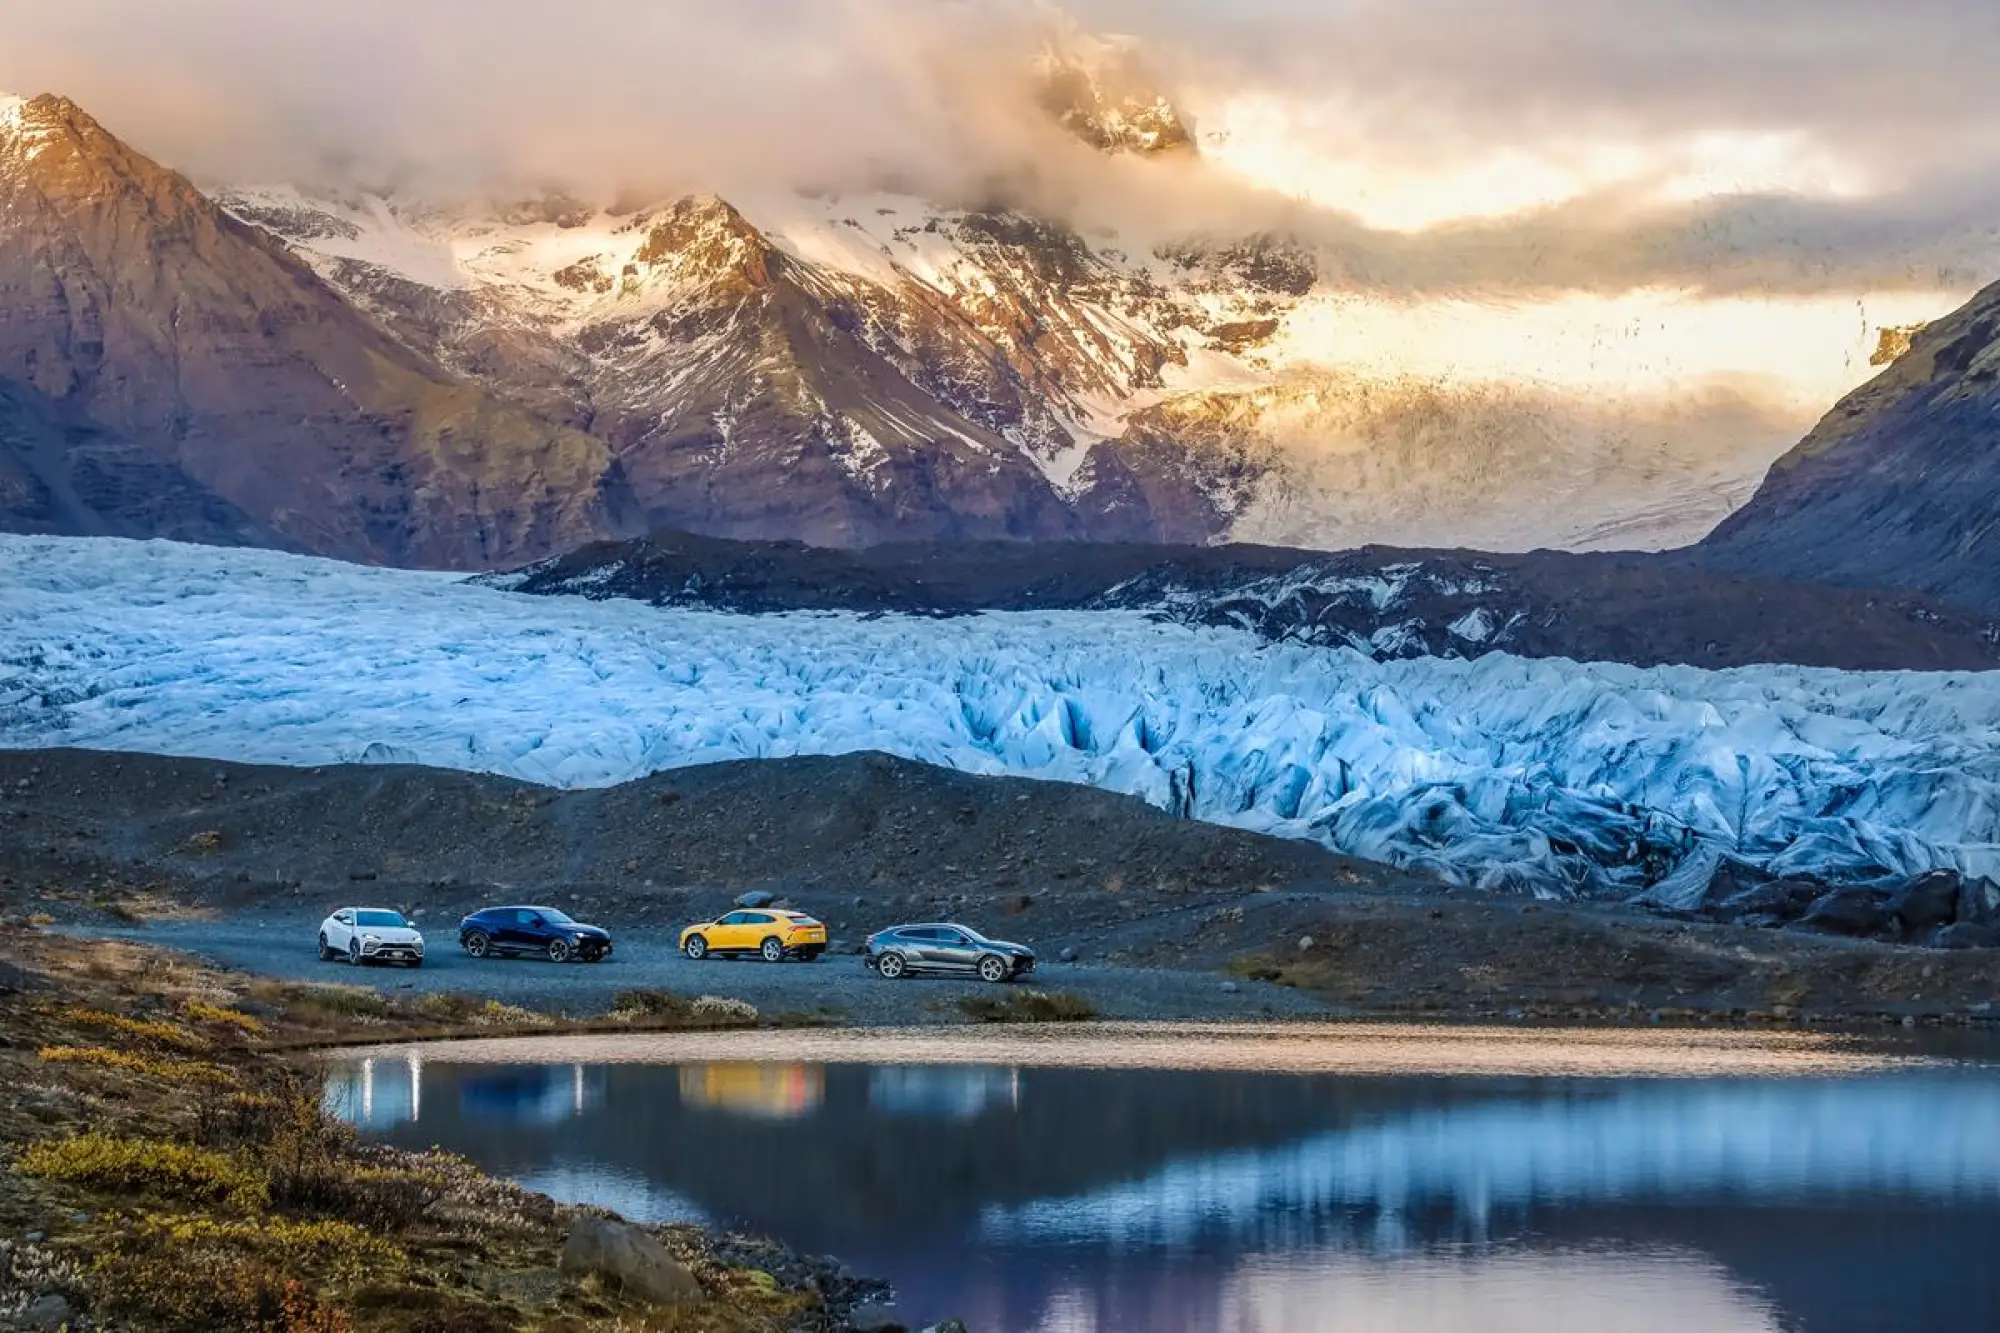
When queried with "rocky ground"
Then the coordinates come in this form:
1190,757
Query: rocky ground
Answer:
165,1168
1137,914
1632,607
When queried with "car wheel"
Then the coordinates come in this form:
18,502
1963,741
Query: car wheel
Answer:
559,951
696,948
891,966
477,944
993,968
773,950
326,955
354,953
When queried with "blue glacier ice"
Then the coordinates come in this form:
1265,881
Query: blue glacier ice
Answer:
1500,772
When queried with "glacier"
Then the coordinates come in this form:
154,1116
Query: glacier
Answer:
1543,775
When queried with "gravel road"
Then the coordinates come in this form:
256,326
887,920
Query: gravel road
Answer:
837,987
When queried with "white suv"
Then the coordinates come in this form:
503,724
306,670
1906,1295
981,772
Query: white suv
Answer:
370,935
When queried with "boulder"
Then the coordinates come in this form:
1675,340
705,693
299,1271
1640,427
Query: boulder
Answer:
628,1260
1965,935
873,1318
1773,901
1858,912
756,898
1979,903
1931,899
1730,879
948,1326
47,1312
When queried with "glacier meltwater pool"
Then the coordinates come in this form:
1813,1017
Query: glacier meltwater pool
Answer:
1274,1180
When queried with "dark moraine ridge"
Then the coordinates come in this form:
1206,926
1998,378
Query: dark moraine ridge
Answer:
1632,607
237,835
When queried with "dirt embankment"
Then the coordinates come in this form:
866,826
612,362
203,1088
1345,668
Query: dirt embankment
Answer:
81,830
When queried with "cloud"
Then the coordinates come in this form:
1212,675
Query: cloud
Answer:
1789,145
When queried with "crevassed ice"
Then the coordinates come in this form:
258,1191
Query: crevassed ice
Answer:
1501,771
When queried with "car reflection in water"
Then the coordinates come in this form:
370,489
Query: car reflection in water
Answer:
944,1093
376,1093
764,1091
381,1092
532,1094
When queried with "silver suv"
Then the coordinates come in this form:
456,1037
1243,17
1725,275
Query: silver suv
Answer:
945,947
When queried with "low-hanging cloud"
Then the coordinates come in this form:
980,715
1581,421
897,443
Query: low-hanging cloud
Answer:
621,95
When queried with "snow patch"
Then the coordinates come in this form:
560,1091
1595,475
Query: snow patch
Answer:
1542,774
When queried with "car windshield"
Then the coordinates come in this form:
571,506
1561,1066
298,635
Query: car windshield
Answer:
552,916
391,919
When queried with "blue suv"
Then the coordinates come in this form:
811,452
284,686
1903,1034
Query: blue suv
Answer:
532,930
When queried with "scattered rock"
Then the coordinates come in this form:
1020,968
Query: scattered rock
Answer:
1305,943
1859,912
361,874
47,1312
756,898
948,1326
1230,988
1068,955
629,1260
1929,900
1965,935
873,1318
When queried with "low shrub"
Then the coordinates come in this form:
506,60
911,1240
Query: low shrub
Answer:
197,1289
344,1001
337,1250
144,1029
721,1009
174,1071
215,1013
652,1005
104,1161
1029,1006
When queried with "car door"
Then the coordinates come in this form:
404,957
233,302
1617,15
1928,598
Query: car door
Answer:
727,932
756,927
955,950
515,930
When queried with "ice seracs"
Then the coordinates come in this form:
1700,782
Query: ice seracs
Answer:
1547,775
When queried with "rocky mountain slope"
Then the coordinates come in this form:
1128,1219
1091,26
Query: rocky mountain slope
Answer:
165,368
478,381
1899,487
1390,604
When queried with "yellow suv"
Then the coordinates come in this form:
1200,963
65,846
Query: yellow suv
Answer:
771,934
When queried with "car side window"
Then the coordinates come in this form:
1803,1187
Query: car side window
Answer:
925,936
952,936
730,919
345,918
524,917
757,918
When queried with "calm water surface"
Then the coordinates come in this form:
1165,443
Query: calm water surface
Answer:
1269,1180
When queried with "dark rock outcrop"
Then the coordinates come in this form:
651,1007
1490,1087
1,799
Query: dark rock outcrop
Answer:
1387,603
1899,486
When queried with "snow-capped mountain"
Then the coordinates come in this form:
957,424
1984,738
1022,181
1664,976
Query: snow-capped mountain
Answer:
165,369
477,381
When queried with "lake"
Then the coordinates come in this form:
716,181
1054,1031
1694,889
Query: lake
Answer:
1194,1179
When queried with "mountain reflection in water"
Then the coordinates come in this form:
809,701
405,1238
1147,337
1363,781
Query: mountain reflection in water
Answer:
1042,1198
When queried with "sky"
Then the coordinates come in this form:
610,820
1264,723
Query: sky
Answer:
1820,149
